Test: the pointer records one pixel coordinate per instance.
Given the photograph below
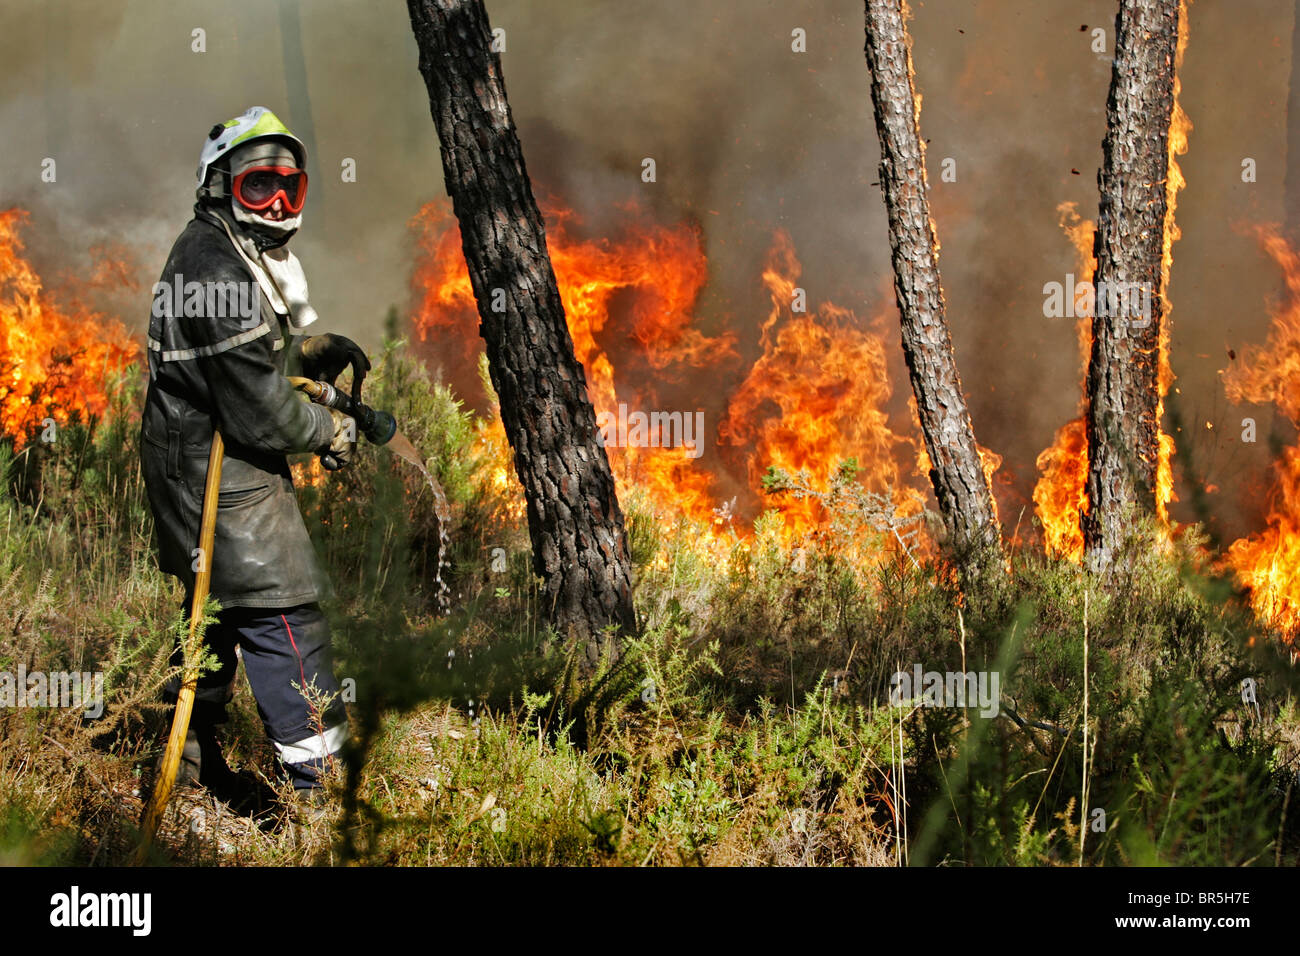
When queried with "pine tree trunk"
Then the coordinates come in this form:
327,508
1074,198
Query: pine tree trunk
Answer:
579,547
1123,374
965,501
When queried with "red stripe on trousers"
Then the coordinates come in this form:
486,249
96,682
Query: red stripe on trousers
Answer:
302,674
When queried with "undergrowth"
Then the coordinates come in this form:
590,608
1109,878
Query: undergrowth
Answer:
751,722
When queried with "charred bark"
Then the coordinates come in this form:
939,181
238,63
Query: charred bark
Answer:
1123,372
965,501
576,527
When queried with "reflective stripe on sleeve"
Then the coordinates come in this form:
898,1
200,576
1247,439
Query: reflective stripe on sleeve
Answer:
225,345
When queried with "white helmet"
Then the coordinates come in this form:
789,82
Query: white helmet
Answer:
257,123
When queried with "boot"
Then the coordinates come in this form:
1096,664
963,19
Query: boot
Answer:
312,806
191,761
308,812
202,763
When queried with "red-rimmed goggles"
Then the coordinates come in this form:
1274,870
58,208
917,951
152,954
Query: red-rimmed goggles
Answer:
258,187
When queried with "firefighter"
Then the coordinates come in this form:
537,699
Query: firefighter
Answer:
226,327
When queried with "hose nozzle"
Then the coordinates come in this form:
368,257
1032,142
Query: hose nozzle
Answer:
378,426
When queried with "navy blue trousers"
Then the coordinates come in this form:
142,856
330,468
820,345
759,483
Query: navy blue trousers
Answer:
281,647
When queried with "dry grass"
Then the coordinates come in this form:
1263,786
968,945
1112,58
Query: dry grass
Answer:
766,739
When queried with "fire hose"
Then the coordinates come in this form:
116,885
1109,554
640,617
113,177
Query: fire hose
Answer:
378,427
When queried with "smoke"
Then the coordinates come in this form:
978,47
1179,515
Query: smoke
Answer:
747,137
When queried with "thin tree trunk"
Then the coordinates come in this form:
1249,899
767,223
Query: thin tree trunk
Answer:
965,501
579,547
1123,374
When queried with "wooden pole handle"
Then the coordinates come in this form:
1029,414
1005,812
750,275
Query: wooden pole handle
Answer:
190,676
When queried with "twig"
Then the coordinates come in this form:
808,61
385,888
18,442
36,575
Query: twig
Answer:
1036,724
89,773
906,550
946,785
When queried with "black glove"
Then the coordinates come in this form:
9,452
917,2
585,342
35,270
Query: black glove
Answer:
325,356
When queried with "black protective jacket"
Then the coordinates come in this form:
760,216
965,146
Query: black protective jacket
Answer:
215,360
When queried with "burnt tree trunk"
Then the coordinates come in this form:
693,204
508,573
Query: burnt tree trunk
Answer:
576,527
965,501
1123,373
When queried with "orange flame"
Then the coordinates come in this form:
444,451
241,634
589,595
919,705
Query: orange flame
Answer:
308,474
501,475
1061,493
656,272
812,399
1180,126
52,362
815,397
1268,563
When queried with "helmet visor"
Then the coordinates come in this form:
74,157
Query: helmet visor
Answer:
258,187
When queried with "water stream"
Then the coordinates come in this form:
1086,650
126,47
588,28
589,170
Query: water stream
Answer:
402,447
